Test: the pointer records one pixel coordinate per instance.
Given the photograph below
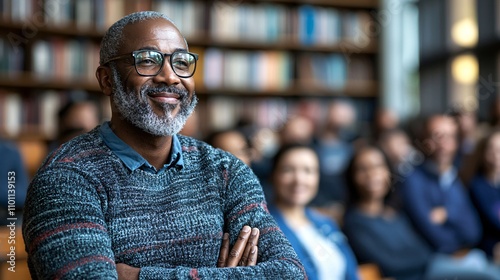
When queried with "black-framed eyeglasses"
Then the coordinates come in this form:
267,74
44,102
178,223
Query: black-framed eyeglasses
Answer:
150,62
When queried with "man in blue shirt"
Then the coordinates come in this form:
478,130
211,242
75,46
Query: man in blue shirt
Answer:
437,202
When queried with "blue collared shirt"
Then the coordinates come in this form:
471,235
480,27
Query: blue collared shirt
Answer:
133,159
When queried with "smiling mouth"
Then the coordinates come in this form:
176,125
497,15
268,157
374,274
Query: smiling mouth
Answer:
165,97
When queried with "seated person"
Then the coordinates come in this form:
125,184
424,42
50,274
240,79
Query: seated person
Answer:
133,199
233,141
485,192
316,238
437,202
381,235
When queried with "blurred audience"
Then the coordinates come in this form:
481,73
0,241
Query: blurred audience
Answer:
437,202
316,238
485,192
382,235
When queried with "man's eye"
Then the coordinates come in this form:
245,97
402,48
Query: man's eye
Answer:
147,61
181,63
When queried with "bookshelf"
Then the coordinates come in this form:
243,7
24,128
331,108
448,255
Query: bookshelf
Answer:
256,50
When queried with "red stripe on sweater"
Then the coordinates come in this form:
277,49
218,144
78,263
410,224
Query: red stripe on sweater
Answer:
194,274
268,230
297,263
81,262
247,209
62,228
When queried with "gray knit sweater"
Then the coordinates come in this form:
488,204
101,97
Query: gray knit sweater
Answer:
86,211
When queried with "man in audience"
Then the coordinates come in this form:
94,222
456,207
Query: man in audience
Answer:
334,150
132,198
437,202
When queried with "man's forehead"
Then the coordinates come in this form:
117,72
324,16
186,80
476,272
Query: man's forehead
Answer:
155,32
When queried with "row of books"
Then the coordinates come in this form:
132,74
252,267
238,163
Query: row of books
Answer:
100,14
279,70
30,113
305,24
58,59
254,22
258,70
36,113
11,57
65,59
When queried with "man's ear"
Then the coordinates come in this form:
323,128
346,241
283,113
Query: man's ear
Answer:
103,75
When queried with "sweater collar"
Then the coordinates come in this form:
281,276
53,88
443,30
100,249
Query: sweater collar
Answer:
132,159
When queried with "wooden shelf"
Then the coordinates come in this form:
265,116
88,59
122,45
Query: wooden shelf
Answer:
352,89
361,89
30,81
360,4
341,47
49,29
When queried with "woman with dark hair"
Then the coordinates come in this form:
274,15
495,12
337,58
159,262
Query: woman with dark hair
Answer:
320,245
379,234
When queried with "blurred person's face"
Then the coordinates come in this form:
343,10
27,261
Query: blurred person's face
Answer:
387,119
83,116
442,133
397,147
235,143
297,130
492,153
371,174
467,123
341,115
296,177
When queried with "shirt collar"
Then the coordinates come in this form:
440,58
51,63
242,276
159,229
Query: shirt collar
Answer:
446,179
132,159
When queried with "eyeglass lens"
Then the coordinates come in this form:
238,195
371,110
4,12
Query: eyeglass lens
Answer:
149,63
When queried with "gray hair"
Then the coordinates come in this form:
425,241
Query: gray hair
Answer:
112,40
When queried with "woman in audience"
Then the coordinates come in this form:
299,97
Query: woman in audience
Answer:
485,192
379,234
319,243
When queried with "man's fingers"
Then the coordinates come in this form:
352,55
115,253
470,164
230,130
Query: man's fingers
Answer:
224,251
238,249
252,241
252,257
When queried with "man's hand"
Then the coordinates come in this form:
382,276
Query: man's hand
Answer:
438,215
127,272
244,251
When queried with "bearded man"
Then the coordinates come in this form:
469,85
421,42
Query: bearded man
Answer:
132,199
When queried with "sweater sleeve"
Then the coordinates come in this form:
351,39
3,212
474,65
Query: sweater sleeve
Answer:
244,205
64,227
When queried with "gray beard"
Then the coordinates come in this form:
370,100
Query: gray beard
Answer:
139,112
